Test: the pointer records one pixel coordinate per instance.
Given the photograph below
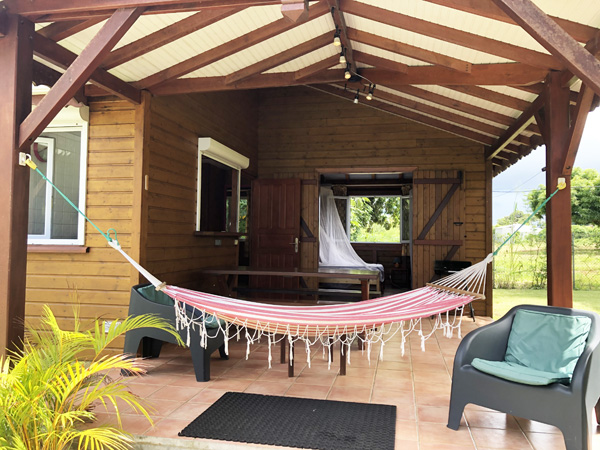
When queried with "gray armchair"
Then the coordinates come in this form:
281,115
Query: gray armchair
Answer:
567,406
145,300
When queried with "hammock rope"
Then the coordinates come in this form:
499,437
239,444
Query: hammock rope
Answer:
373,321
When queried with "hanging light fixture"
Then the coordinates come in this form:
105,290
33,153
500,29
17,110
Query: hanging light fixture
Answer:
356,97
370,93
336,38
343,56
347,73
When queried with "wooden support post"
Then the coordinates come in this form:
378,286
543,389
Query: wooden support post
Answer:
558,210
16,62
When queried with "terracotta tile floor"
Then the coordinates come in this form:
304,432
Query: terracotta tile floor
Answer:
418,383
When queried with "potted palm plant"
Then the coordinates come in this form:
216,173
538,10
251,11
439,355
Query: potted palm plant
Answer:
50,387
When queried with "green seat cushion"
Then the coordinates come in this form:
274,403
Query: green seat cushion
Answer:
547,342
518,373
150,293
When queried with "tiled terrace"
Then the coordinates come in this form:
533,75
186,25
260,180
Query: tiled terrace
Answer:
418,383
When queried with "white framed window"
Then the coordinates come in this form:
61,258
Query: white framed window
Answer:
218,189
61,155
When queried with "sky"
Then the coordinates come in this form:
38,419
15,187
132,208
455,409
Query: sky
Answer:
512,185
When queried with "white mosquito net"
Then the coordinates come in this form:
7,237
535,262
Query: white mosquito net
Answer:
335,249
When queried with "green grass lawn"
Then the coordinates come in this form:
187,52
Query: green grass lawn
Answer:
504,299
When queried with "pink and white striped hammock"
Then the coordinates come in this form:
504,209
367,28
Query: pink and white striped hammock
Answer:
370,321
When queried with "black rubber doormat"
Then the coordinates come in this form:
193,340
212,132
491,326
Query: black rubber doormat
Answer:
296,422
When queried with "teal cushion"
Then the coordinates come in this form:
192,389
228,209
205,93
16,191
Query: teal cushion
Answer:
150,293
547,342
518,373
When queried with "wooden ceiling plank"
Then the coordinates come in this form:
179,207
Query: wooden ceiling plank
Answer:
458,37
409,50
340,22
380,63
280,58
579,32
166,35
72,7
315,68
524,120
411,115
58,31
554,39
584,104
77,74
457,105
481,74
56,54
213,84
440,113
228,48
492,96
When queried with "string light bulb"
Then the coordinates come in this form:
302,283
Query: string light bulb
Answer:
343,56
370,93
356,97
347,73
336,38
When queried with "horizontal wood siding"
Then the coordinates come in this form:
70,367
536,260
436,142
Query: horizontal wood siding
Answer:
303,131
173,252
97,282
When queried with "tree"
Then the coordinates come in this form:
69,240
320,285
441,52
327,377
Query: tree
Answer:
517,216
585,189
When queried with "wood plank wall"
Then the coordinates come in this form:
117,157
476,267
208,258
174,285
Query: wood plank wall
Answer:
303,131
173,252
98,281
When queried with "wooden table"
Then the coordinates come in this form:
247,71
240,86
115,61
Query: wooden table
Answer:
227,280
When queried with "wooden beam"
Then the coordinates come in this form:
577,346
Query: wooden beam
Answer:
409,50
411,115
77,74
584,104
458,105
492,96
524,120
554,39
558,210
77,8
3,23
58,31
340,23
16,57
228,48
57,55
447,34
166,35
279,58
380,63
316,68
481,74
578,31
212,84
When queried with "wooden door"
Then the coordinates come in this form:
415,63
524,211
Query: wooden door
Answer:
438,221
275,230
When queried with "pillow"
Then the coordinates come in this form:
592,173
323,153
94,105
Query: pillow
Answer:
547,342
518,373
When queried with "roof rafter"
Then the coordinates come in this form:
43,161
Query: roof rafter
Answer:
554,39
340,23
166,35
77,74
228,48
492,96
56,54
380,63
458,37
316,68
409,50
578,31
280,58
58,31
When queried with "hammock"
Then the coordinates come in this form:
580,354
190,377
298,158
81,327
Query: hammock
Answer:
371,321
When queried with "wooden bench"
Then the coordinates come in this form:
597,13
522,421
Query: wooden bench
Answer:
354,294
